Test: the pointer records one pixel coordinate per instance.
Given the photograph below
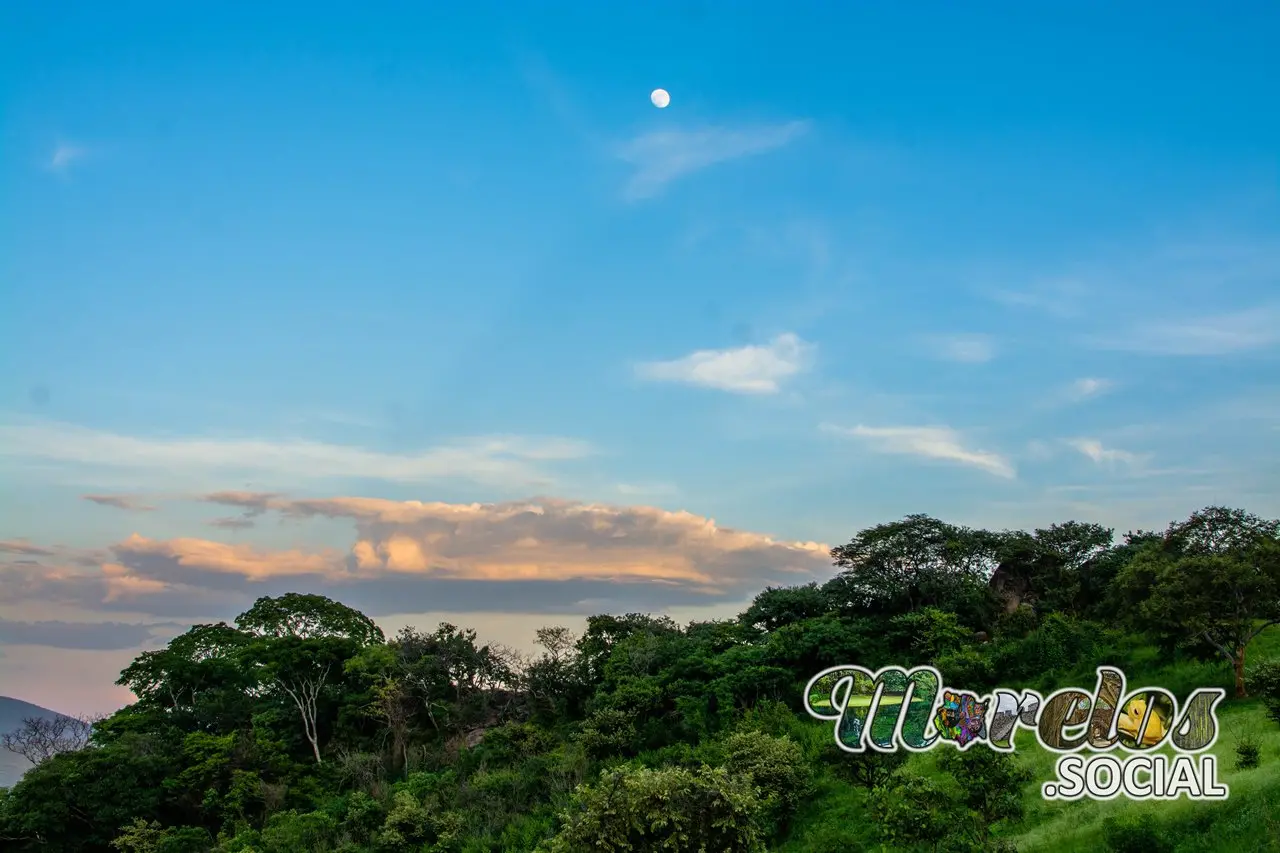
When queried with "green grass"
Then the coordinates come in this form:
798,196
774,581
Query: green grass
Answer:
835,817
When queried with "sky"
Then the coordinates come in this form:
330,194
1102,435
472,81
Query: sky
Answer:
426,308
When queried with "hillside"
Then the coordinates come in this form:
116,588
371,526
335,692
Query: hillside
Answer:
12,713
302,727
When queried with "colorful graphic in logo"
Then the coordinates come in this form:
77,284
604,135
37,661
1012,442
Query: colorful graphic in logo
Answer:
962,718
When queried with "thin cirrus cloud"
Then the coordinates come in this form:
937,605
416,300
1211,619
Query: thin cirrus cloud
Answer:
1088,387
1230,333
496,460
125,502
64,156
543,555
661,157
935,442
1094,449
752,369
963,348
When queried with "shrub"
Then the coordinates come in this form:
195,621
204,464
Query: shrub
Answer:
1134,834
670,809
1263,680
868,769
1248,752
775,764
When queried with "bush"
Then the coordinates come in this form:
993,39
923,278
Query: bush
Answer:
868,769
776,765
1263,680
1248,752
1134,834
968,668
671,809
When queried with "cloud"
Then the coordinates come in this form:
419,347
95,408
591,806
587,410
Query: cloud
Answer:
1064,299
1093,449
65,155
234,522
1088,387
24,548
967,349
506,461
124,502
941,443
752,369
661,157
542,555
76,635
1224,334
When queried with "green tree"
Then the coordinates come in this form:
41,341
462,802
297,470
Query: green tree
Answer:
778,606
671,809
916,562
991,784
914,812
1213,578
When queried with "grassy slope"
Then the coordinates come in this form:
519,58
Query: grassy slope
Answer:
834,818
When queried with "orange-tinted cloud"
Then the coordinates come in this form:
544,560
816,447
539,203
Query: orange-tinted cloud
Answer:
543,555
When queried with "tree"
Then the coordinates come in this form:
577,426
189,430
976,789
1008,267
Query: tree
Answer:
299,644
991,783
914,812
1214,578
40,738
198,674
308,617
868,769
916,562
778,606
392,702
669,809
300,669
1054,568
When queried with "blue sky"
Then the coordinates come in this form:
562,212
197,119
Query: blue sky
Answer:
1007,265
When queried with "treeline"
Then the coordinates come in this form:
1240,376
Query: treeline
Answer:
300,727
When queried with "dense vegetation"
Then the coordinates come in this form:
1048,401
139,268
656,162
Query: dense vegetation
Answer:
302,728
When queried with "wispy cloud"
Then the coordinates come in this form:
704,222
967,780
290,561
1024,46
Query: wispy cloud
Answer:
234,522
125,502
753,369
64,156
942,443
661,157
1087,387
1224,334
1094,449
497,460
963,348
1064,298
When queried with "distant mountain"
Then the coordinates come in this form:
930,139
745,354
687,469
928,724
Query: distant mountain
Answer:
12,713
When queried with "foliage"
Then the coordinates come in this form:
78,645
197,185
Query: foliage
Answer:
1264,677
1248,752
1214,578
670,809
1135,834
300,726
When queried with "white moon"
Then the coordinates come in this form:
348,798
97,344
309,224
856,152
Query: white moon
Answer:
660,98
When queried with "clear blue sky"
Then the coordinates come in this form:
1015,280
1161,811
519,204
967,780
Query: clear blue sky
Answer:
1008,265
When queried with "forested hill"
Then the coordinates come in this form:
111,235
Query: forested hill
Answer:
300,727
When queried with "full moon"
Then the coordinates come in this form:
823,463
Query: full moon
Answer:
660,98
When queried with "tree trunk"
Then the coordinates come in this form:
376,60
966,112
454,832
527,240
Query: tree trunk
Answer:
1238,663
